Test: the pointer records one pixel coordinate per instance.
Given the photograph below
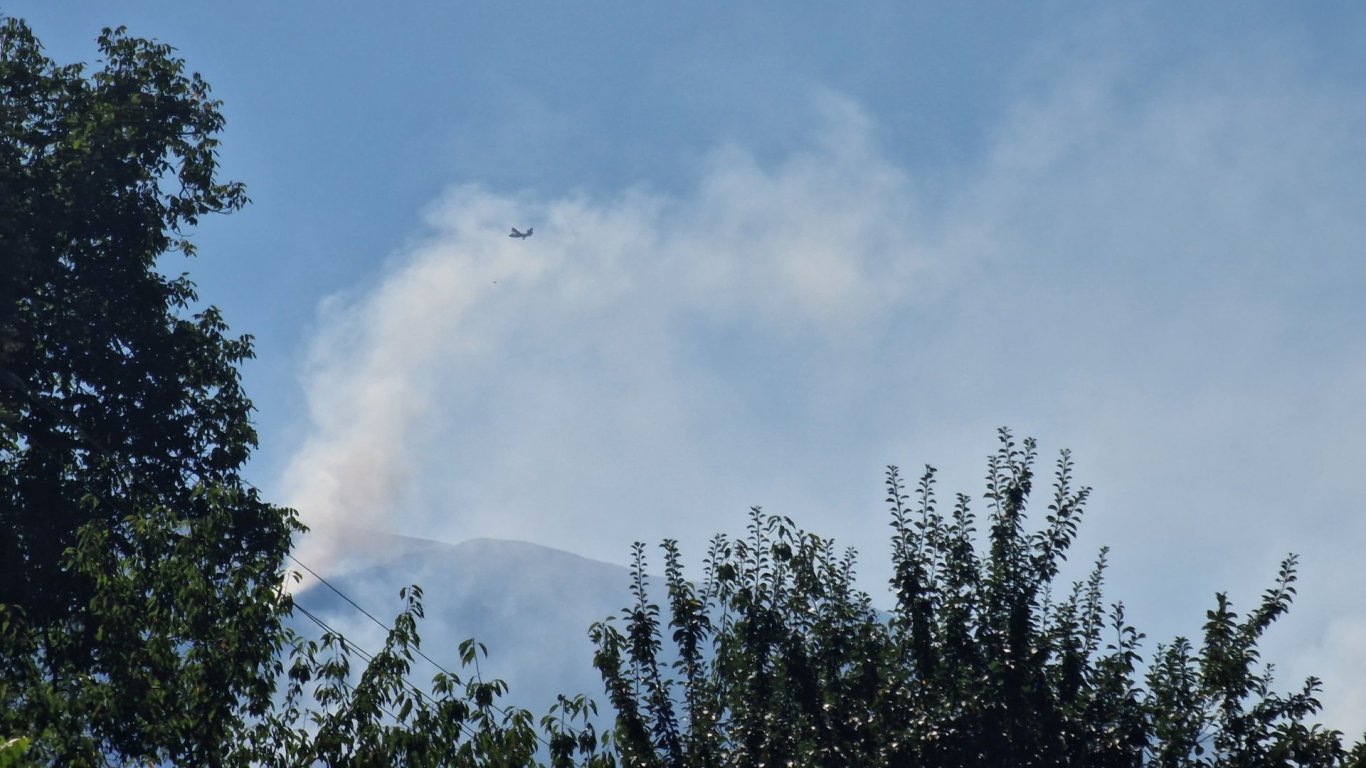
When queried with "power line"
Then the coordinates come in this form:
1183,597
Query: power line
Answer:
369,615
368,657
343,596
478,677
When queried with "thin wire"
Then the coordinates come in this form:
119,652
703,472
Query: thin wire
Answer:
494,705
343,596
345,640
368,657
371,616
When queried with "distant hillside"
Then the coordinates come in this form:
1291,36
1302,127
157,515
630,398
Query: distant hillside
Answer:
531,605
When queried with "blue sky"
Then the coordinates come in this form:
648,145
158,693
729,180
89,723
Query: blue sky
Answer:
781,245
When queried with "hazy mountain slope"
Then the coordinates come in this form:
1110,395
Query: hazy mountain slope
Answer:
530,605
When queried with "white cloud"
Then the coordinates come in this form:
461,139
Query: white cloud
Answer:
1159,277
563,362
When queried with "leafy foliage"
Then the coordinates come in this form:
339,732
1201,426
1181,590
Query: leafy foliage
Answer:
332,715
12,752
138,614
775,658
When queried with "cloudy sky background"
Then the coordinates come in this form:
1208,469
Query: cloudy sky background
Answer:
778,248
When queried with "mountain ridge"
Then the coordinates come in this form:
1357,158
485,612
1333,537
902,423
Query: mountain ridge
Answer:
529,604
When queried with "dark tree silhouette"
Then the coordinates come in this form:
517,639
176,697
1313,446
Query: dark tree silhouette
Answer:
774,658
138,615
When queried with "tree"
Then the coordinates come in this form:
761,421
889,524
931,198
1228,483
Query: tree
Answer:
775,658
12,752
138,608
333,715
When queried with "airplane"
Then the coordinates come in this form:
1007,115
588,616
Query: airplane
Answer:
523,235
